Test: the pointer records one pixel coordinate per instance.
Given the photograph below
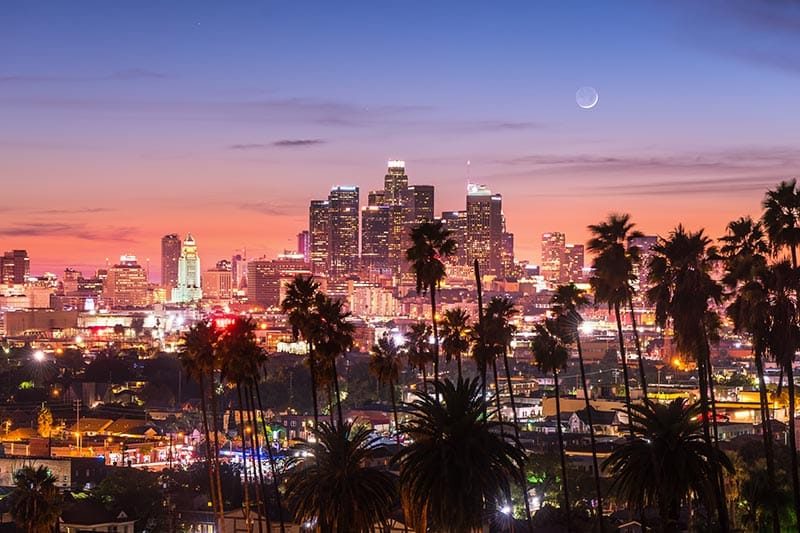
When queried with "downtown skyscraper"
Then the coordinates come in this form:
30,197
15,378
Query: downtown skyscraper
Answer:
170,254
189,288
485,229
333,232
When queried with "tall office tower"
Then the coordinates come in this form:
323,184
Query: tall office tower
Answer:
170,254
395,183
376,198
239,271
553,255
343,231
189,283
572,268
304,244
645,244
484,228
126,284
375,224
267,278
507,253
218,281
318,228
456,223
420,203
15,267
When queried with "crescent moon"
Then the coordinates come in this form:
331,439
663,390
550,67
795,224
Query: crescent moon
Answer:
587,97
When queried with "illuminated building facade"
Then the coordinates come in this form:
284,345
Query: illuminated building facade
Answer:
170,255
126,284
572,271
553,256
318,226
343,231
456,223
189,281
15,267
375,225
267,278
484,228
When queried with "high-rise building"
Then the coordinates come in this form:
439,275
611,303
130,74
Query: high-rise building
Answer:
395,183
419,203
15,267
239,271
376,198
318,227
484,228
267,278
456,223
375,225
553,255
645,245
218,282
304,244
189,282
572,268
170,254
126,284
507,253
343,204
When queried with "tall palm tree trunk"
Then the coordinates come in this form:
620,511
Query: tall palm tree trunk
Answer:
272,464
255,445
595,466
331,406
702,373
479,289
338,394
435,335
766,430
792,437
246,485
562,453
497,401
624,356
458,363
216,498
312,368
215,428
516,434
394,411
638,344
720,474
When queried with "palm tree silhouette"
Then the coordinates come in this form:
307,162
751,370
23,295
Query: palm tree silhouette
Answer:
199,360
566,303
418,349
682,291
667,461
613,272
298,305
455,335
333,337
431,244
551,356
35,503
747,275
333,489
385,363
459,469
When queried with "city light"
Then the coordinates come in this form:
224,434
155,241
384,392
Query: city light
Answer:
38,356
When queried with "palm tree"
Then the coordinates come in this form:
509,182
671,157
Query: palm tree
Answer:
431,244
199,360
551,356
747,277
298,304
332,487
683,291
783,341
566,303
781,218
385,366
455,335
35,503
668,461
418,349
333,336
242,358
613,267
459,469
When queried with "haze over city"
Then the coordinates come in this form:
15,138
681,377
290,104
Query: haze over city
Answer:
226,120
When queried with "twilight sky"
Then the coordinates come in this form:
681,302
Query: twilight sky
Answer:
121,121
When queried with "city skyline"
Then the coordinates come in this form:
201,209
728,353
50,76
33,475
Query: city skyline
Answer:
108,148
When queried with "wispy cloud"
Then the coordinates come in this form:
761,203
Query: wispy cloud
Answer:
120,75
79,210
270,208
282,143
68,230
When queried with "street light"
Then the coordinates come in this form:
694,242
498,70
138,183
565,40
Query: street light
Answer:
38,356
